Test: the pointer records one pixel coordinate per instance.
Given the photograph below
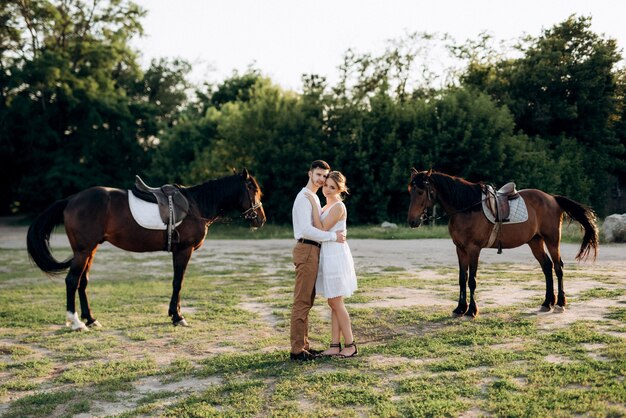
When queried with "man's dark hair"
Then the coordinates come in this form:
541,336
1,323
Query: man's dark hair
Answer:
319,164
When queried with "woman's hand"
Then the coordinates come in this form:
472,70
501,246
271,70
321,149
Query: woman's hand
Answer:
311,199
317,222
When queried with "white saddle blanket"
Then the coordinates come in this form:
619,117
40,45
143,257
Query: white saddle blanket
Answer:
145,213
517,214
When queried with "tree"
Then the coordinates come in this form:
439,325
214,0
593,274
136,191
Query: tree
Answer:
235,88
76,109
157,96
276,134
564,86
188,151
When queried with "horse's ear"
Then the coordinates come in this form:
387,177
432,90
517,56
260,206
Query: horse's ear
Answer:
429,173
413,171
245,174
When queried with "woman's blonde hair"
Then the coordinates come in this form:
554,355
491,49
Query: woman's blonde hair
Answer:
340,179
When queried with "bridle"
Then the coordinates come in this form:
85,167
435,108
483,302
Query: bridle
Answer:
429,196
250,213
427,186
429,190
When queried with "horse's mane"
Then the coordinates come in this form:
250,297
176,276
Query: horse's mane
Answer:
210,196
457,192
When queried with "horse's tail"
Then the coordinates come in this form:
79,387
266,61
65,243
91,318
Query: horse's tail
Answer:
587,218
38,239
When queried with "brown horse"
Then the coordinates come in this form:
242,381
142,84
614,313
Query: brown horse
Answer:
470,230
103,214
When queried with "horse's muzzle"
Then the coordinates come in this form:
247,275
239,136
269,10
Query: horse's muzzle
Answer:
257,222
414,223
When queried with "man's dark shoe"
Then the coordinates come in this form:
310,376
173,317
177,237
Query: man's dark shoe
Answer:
316,353
303,356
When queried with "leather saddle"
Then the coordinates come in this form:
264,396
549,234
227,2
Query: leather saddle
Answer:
498,202
173,205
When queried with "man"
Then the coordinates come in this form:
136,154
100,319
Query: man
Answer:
306,255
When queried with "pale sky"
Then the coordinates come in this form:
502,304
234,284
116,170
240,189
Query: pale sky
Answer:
286,38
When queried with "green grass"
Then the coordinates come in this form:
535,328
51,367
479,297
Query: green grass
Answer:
40,404
415,359
108,372
273,231
601,293
571,232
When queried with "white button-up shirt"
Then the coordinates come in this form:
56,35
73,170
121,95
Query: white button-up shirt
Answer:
302,214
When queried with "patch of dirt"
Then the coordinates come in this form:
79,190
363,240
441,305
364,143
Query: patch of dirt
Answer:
401,297
552,358
391,361
594,351
151,386
472,413
262,310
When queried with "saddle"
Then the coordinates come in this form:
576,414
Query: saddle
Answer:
173,205
498,202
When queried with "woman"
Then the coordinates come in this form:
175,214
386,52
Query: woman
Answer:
336,278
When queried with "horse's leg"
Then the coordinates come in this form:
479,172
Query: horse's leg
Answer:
463,265
536,246
555,253
72,280
181,259
82,295
473,268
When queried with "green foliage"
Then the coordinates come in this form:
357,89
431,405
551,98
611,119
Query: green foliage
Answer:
77,111
564,89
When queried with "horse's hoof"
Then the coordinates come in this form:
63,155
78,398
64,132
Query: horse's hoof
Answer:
80,327
71,319
182,323
543,308
95,324
459,312
559,309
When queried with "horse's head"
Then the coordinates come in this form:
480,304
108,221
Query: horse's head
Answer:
251,200
422,196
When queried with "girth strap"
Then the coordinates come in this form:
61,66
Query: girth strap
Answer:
173,205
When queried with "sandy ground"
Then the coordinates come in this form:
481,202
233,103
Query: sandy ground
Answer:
425,259
428,259
407,254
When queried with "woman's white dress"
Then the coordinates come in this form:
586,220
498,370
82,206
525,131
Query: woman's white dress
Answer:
336,275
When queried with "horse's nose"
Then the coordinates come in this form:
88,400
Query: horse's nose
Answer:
414,223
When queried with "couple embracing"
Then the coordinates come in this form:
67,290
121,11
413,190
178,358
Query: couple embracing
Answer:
323,262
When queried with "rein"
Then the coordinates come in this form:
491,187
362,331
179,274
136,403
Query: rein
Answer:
429,192
248,214
251,213
430,218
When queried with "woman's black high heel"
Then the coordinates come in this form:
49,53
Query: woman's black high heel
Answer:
356,350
